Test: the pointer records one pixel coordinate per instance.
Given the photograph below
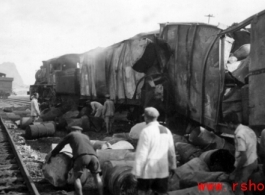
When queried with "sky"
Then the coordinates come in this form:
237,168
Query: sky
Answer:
37,30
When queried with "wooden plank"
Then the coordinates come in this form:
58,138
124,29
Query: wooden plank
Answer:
9,161
9,172
10,180
6,156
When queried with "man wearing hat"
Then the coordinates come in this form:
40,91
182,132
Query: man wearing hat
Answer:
97,108
84,156
108,113
155,157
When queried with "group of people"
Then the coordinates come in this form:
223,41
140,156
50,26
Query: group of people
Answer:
155,159
105,111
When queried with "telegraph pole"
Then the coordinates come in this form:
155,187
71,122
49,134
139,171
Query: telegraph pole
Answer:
209,16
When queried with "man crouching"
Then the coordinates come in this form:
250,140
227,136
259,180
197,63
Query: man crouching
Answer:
84,157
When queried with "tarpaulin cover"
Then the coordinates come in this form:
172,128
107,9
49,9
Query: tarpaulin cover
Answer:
110,70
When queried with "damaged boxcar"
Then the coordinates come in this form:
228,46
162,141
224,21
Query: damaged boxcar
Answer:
212,72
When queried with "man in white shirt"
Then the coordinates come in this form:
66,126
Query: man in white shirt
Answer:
136,130
35,111
97,108
155,157
245,153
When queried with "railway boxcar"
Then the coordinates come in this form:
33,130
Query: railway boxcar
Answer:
212,72
5,86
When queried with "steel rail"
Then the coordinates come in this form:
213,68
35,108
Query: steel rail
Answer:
30,184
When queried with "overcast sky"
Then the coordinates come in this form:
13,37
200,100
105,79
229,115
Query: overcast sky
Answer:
36,30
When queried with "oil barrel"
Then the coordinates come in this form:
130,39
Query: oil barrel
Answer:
207,138
40,130
187,151
242,52
119,180
218,160
25,121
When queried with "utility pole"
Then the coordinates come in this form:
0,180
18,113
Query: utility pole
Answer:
209,16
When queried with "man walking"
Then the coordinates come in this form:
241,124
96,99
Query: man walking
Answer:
84,156
108,112
155,157
35,111
245,153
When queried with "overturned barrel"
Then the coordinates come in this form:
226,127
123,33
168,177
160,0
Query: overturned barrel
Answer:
185,170
219,160
187,151
119,180
40,130
205,138
25,121
56,171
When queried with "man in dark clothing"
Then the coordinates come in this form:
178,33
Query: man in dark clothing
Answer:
84,157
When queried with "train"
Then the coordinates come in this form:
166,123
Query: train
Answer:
5,86
118,70
193,73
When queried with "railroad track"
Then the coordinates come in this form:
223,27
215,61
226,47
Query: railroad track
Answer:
14,177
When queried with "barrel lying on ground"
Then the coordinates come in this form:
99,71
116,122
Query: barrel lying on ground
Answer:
25,121
56,172
193,172
204,138
59,171
219,160
187,151
40,130
195,164
118,179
